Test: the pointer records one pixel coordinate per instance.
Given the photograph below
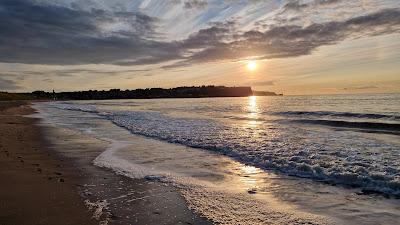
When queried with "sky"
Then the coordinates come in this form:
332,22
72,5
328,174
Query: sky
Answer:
298,46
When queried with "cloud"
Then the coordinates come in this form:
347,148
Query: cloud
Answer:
264,83
290,40
190,4
71,72
8,85
359,88
210,36
195,4
297,5
48,80
38,33
49,34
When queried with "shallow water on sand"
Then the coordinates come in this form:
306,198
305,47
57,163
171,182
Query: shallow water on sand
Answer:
234,182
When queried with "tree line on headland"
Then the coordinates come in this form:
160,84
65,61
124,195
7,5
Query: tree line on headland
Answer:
178,92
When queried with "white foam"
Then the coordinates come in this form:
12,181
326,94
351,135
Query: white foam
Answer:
239,208
306,153
224,201
100,211
216,190
120,166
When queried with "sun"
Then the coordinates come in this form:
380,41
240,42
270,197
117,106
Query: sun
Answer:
251,65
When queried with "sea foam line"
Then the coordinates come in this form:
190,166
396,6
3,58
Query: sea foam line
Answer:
222,207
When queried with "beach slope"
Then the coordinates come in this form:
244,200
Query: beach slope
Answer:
35,188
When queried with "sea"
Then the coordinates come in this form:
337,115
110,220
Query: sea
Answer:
328,159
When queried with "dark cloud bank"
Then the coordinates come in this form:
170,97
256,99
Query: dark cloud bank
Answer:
45,34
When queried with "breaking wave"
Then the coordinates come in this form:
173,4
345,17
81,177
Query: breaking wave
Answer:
348,124
331,157
341,114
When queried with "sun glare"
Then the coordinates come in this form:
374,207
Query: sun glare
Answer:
251,65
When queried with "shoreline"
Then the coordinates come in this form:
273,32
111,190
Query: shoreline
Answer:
50,180
85,133
117,193
36,187
119,199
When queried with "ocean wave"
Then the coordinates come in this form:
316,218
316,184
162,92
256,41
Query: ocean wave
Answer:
341,114
216,202
335,166
75,107
355,161
359,125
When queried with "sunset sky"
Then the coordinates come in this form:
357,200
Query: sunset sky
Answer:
298,47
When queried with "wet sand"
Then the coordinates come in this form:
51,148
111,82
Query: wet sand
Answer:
45,181
35,188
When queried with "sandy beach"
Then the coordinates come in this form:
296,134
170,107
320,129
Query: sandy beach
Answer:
36,188
40,184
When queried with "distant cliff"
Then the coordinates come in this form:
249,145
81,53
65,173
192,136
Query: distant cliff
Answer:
179,92
265,93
